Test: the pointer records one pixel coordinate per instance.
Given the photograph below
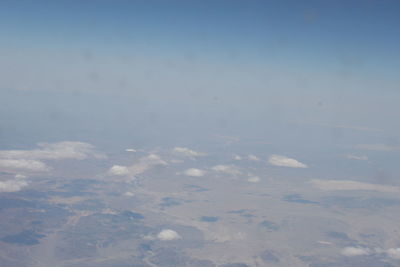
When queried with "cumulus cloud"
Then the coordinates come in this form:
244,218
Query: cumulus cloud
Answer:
146,163
227,169
252,157
325,243
249,157
129,194
31,160
168,234
155,159
23,165
140,166
394,253
54,151
20,176
194,172
253,179
355,157
378,147
184,151
283,161
237,157
119,170
12,185
331,185
355,251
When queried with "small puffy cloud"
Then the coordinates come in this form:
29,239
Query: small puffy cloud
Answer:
394,253
237,157
31,160
253,179
143,164
20,176
146,163
378,147
252,157
355,157
331,185
154,159
54,151
130,150
151,157
227,169
325,243
283,161
12,185
119,170
355,251
168,235
129,194
194,172
23,165
184,151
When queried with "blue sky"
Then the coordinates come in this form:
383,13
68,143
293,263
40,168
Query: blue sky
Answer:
358,35
356,26
213,66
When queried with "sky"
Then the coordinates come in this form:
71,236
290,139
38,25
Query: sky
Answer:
226,123
116,73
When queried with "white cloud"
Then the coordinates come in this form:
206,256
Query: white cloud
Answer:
194,172
355,251
23,165
129,194
146,163
130,150
20,176
253,179
12,185
252,157
394,253
227,169
237,157
325,243
184,151
329,185
283,161
31,160
378,147
168,234
119,170
54,151
155,159
357,157
143,164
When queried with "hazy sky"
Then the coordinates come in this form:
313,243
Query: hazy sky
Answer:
142,72
202,133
